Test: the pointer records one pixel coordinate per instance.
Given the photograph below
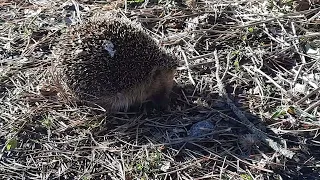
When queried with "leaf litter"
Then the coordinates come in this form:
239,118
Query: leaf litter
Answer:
248,68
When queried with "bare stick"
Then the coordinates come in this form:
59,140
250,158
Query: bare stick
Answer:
274,145
312,106
187,65
308,95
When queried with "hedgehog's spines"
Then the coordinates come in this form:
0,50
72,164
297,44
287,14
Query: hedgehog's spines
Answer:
94,73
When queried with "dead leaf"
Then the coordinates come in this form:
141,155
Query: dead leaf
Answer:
48,90
302,5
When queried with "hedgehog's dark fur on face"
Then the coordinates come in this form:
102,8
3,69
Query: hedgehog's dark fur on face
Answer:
112,63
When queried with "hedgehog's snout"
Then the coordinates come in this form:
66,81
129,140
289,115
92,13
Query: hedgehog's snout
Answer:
162,83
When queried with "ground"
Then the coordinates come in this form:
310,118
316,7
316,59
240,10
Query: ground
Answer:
245,104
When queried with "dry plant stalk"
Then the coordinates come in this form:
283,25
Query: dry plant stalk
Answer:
261,135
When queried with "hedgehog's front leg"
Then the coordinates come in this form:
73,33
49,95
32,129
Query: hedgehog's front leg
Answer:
161,100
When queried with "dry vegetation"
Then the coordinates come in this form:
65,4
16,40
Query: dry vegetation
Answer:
246,104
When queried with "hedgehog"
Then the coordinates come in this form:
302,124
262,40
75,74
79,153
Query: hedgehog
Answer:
113,62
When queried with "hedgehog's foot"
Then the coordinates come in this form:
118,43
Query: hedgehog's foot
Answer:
161,101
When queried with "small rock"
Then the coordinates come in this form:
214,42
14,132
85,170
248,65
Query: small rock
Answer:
301,88
165,167
68,20
200,128
313,50
256,90
43,3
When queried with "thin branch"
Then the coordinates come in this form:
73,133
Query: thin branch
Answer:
274,145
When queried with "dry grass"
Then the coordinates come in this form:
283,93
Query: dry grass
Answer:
256,54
